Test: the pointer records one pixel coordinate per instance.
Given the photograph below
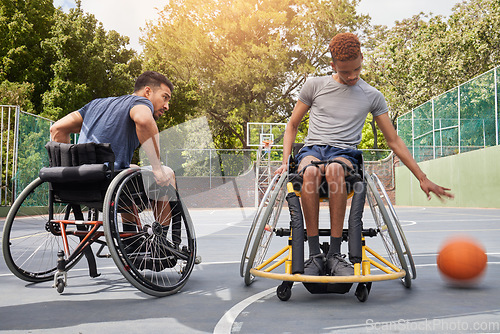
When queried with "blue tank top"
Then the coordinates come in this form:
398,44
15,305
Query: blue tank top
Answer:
107,120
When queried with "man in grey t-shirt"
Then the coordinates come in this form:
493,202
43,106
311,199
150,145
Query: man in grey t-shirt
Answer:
338,106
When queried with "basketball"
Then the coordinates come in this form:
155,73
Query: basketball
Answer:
462,261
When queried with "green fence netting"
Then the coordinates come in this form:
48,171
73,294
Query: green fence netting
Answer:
463,119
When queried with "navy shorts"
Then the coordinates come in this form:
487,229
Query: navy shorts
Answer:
326,152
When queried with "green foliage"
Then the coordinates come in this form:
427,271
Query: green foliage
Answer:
13,93
68,59
368,136
23,25
247,58
87,63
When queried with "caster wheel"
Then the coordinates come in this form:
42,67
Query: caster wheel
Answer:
362,292
60,285
284,292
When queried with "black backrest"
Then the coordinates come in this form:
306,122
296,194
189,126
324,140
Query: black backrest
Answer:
66,155
79,173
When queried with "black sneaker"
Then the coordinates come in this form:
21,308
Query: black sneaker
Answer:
336,265
315,266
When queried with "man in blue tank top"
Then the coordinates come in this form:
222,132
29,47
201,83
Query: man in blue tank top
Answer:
338,106
125,122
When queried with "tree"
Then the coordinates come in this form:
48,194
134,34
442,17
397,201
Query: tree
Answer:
247,58
87,63
23,25
19,94
426,55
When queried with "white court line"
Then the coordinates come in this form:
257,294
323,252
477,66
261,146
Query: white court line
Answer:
226,322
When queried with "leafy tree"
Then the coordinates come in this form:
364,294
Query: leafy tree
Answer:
23,25
87,63
13,93
247,58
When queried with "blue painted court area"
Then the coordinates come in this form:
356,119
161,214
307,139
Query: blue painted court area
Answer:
216,300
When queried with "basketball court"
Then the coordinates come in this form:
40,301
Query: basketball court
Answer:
216,300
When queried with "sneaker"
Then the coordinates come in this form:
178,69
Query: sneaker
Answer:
336,265
315,266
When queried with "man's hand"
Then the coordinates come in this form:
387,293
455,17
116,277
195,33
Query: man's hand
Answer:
283,168
429,187
164,176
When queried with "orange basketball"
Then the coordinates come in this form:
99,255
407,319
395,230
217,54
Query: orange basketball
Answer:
462,260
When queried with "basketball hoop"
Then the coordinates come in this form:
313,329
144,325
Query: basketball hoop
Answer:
267,145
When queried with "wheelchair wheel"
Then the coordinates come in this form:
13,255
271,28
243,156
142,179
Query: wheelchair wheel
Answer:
149,233
399,230
390,229
266,227
251,234
30,241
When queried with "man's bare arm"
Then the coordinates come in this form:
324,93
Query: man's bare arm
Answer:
61,130
147,132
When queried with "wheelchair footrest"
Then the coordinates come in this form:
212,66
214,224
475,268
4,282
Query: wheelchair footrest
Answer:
319,288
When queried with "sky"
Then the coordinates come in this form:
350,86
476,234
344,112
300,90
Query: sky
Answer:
127,17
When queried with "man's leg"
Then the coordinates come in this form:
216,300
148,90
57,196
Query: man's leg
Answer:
335,177
310,206
310,194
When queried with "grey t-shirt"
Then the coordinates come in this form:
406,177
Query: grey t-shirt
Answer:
338,112
108,120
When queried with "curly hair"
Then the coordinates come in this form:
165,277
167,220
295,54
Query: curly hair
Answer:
345,46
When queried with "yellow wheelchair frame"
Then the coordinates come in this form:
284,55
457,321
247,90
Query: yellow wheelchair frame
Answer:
398,264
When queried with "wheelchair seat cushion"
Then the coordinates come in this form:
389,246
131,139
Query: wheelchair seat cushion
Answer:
84,173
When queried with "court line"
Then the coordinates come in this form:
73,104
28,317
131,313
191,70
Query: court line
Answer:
463,230
225,324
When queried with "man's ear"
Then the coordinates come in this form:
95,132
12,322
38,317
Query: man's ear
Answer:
333,66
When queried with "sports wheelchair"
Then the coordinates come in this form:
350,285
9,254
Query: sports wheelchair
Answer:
397,264
56,219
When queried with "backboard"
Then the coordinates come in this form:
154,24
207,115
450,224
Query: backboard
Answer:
258,132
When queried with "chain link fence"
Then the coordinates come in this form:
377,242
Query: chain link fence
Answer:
23,154
463,119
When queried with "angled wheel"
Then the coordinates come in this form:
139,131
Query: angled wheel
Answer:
149,233
390,229
265,227
398,229
31,239
264,203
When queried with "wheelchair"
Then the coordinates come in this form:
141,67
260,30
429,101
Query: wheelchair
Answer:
287,264
80,201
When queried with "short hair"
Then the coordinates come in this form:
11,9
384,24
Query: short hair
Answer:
152,79
345,46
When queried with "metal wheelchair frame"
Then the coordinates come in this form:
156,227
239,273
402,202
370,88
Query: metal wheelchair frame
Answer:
397,264
43,242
